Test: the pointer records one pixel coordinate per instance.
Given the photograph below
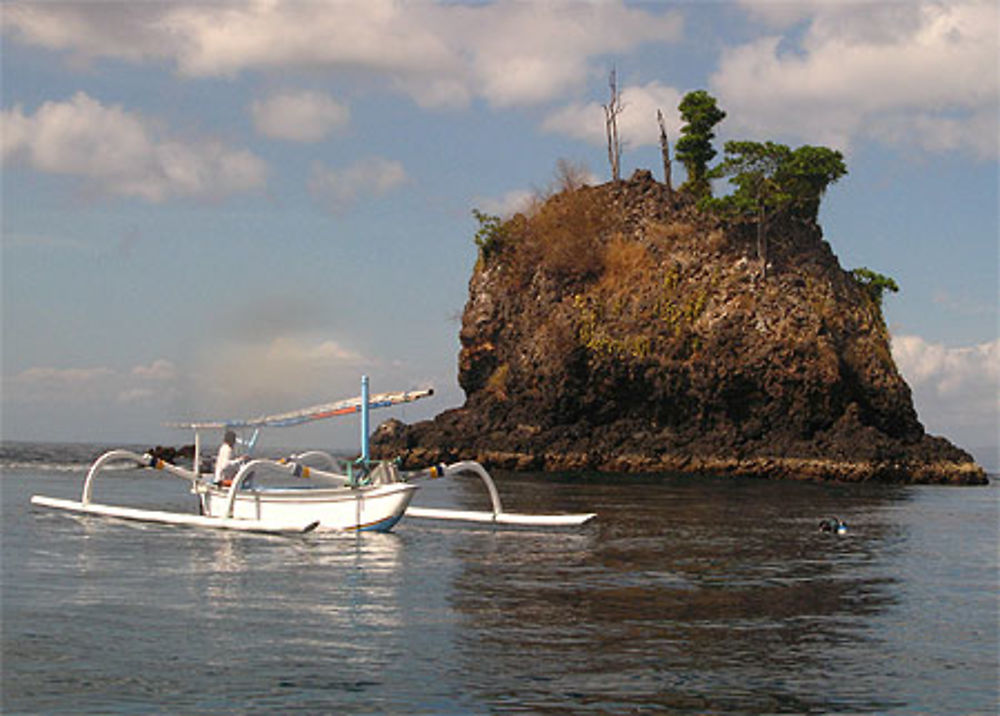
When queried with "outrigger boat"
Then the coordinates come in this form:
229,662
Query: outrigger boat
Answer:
360,496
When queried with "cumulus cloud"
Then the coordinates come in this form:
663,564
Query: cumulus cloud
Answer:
281,370
527,201
45,243
123,30
62,377
99,385
513,202
956,390
637,125
148,384
446,54
782,14
339,188
920,74
302,116
160,369
122,153
137,395
317,354
531,52
280,361
48,385
950,371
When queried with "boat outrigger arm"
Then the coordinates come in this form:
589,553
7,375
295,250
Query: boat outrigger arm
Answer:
497,515
374,497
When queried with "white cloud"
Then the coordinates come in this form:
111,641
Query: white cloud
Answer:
302,116
98,387
921,74
637,125
526,53
956,390
282,370
292,350
62,377
279,362
137,395
49,385
782,13
513,202
446,54
950,371
124,30
339,188
160,369
123,153
216,40
43,242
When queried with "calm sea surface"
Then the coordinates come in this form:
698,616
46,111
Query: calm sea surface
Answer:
685,596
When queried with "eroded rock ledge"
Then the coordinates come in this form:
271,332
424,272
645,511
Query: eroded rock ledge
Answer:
397,439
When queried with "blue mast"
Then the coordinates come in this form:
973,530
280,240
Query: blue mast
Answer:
364,420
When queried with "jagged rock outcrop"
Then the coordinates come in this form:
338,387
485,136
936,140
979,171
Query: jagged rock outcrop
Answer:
620,328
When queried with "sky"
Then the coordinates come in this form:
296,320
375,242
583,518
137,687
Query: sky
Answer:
221,209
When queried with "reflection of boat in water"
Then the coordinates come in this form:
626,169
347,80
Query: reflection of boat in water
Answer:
313,490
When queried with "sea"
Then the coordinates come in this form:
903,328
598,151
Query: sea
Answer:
687,595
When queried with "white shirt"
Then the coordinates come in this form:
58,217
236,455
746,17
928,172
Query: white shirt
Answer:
223,461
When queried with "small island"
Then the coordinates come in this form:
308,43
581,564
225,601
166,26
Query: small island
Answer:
633,327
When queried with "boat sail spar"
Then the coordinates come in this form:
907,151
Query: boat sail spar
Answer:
367,496
316,412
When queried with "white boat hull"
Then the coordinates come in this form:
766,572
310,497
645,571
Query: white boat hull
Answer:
374,508
173,518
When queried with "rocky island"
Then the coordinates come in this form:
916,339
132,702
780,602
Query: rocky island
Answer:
621,328
628,327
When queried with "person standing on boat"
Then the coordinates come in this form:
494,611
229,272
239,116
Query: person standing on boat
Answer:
226,466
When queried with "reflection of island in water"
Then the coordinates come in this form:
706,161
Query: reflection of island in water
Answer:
682,587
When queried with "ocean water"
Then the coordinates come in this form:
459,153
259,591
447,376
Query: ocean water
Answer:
687,595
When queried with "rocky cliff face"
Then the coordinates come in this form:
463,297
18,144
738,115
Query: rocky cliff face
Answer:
619,328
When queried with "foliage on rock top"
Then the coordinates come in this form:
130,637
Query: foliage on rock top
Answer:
770,177
694,149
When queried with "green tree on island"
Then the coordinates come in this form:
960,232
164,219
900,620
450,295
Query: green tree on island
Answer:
694,148
874,283
771,179
490,235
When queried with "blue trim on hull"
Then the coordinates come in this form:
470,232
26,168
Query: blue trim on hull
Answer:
382,525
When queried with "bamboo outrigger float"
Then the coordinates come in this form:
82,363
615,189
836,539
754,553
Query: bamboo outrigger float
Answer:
360,496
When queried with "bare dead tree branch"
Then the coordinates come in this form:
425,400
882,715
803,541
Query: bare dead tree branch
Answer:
665,151
611,111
